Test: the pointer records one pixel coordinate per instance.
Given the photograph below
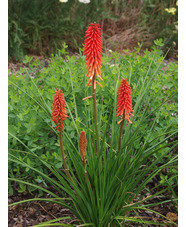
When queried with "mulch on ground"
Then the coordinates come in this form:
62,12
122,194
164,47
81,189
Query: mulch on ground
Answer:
36,212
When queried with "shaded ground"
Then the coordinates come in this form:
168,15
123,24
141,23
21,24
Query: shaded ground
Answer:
36,212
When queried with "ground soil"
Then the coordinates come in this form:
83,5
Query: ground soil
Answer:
32,213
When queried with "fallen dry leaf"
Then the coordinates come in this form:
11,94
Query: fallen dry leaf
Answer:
32,211
172,216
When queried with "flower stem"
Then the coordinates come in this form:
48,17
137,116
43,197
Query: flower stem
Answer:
63,156
84,164
95,113
120,133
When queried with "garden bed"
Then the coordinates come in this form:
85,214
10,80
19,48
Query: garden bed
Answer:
149,165
33,213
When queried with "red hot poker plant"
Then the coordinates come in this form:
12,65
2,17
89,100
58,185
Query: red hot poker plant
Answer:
124,106
59,116
83,146
59,109
93,50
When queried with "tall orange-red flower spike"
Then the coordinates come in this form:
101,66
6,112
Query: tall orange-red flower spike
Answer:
93,50
59,109
124,104
82,144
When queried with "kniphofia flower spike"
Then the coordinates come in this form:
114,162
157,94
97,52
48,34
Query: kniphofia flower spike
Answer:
93,50
59,109
124,104
82,144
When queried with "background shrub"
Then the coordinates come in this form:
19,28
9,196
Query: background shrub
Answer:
40,27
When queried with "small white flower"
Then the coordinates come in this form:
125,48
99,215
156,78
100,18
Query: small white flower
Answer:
110,51
112,65
174,43
84,1
63,1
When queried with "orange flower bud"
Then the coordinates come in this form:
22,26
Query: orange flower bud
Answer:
59,109
82,144
88,97
124,104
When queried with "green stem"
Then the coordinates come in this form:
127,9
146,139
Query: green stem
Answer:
87,178
120,133
95,113
84,164
63,156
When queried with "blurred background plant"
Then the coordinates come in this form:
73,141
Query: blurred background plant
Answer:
41,27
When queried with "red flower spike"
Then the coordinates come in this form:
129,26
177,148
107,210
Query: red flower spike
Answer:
59,109
124,104
93,50
82,144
